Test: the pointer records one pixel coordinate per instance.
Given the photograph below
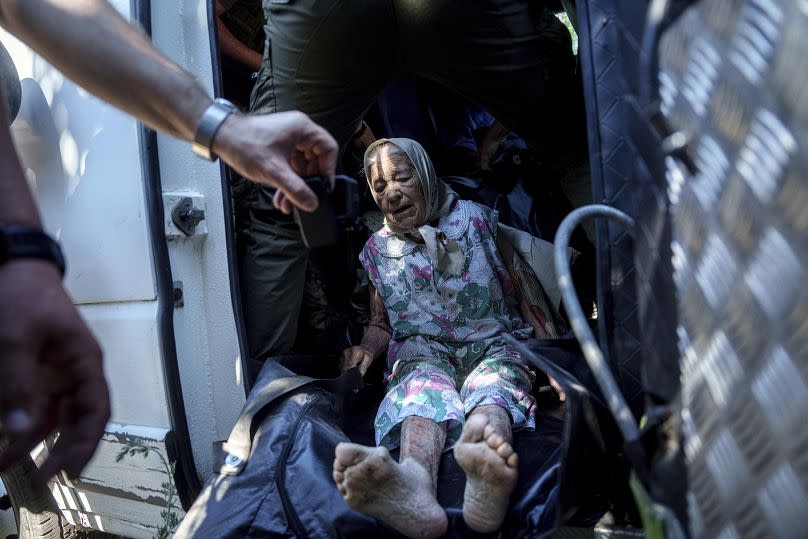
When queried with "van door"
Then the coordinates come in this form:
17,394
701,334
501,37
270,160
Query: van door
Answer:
157,300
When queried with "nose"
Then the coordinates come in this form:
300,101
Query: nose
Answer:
393,196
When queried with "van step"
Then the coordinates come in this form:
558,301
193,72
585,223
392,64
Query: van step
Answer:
599,532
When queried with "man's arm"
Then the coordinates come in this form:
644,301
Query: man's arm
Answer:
234,48
17,206
93,45
51,376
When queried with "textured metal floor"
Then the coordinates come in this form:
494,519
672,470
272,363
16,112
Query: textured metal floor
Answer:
599,532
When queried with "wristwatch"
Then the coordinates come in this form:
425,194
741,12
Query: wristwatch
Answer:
19,241
212,119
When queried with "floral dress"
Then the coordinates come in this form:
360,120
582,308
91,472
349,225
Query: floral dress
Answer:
446,354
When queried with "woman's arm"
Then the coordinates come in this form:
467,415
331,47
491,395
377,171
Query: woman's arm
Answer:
377,335
374,341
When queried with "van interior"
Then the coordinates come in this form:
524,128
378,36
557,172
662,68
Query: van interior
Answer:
527,195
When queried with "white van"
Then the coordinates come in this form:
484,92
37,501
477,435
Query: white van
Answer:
159,301
696,112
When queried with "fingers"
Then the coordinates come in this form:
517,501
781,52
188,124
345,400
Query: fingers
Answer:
315,152
321,148
351,357
81,425
365,362
295,190
51,377
19,398
31,295
327,159
17,450
346,359
277,149
356,356
282,203
21,446
83,409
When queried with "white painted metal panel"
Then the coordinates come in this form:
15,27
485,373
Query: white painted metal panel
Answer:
206,340
128,336
82,160
125,498
122,518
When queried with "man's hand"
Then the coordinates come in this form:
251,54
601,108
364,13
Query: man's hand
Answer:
356,355
51,377
277,149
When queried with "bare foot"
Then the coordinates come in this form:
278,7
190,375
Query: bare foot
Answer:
401,495
491,471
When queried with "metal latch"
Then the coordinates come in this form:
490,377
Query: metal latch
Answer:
185,216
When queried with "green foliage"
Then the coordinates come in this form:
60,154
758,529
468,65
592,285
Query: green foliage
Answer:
566,20
168,488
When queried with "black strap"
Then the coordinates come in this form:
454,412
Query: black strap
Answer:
19,241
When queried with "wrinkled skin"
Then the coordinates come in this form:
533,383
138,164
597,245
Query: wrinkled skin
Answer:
396,187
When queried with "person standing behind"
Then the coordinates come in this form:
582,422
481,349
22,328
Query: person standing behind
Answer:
512,57
240,24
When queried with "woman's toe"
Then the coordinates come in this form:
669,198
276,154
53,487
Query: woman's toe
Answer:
505,450
495,440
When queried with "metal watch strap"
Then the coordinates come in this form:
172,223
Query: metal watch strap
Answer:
209,124
19,241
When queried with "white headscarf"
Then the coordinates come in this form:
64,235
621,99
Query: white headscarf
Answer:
444,252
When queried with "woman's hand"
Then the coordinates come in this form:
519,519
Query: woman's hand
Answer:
356,355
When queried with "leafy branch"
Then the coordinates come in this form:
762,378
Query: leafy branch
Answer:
168,488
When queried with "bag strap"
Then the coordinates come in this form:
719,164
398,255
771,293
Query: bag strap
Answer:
281,382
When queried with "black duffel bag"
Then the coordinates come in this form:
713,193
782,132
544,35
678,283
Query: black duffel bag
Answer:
274,474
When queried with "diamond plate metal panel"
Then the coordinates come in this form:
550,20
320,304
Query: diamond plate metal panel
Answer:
734,76
610,33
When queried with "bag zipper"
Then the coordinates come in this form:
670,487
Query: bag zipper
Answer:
280,474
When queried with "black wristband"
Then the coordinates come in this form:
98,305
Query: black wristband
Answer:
19,241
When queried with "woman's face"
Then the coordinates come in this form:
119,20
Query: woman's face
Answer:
396,188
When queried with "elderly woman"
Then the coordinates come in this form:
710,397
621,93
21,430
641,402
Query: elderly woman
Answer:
441,299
